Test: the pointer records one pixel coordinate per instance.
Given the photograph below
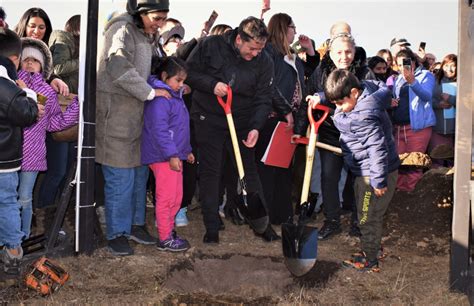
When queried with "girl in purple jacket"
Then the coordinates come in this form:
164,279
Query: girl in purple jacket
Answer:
165,144
35,69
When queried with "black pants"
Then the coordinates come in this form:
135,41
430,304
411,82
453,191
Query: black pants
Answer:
276,181
331,167
212,142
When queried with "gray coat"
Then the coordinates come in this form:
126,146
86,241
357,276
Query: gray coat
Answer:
124,66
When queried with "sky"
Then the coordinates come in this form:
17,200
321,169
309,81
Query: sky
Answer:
374,22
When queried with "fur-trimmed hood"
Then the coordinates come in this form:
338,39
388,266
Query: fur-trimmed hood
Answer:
48,58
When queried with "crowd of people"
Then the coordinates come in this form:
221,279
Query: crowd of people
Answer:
157,110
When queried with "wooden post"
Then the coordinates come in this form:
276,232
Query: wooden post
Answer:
461,227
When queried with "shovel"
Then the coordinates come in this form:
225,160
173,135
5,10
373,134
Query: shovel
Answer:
249,203
300,241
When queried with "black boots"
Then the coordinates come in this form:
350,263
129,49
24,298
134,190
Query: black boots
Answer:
269,234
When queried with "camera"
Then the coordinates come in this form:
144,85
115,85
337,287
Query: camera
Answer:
407,64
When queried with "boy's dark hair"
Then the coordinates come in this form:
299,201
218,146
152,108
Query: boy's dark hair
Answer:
252,28
172,65
10,42
339,84
3,15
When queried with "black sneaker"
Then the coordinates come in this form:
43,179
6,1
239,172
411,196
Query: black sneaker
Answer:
269,234
11,263
140,235
120,247
330,228
211,237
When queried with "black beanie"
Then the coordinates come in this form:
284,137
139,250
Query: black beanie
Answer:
144,6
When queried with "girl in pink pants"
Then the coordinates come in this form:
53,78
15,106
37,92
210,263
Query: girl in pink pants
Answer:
165,144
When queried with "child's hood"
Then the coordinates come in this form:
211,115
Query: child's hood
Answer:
159,84
375,95
43,48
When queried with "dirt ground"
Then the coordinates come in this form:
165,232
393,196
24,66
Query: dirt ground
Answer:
243,269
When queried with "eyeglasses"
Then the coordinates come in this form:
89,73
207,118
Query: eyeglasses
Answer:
292,26
158,18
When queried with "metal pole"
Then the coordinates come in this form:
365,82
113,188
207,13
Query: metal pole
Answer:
85,204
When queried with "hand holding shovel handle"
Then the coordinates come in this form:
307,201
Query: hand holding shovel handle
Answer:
311,148
227,106
251,205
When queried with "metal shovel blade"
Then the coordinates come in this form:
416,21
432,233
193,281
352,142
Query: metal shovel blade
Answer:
253,210
300,247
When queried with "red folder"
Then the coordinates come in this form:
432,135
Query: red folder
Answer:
280,150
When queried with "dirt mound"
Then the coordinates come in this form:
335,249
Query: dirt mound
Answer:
238,275
423,216
415,159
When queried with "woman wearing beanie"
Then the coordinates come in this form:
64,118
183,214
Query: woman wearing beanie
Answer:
130,41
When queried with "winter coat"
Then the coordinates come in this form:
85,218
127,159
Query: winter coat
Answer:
328,133
34,141
287,73
420,95
65,58
122,88
18,109
216,59
166,127
366,135
444,126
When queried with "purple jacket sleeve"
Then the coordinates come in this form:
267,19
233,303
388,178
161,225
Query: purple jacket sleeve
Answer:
58,120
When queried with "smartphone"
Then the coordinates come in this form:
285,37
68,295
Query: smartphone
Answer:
407,64
210,21
422,46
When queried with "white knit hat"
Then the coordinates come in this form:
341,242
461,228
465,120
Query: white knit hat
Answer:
33,53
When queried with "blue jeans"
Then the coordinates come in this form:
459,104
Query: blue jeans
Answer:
57,159
125,199
10,220
25,198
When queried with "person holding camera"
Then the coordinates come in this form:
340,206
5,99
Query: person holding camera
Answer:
412,113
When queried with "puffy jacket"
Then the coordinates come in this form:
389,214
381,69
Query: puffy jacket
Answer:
16,111
166,127
420,94
366,135
328,133
65,59
215,59
34,142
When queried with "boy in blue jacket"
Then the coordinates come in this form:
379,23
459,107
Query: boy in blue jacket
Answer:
369,151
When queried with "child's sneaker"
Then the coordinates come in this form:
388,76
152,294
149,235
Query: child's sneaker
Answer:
11,262
381,254
181,219
360,262
173,244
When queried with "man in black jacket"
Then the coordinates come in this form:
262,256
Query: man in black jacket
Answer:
236,60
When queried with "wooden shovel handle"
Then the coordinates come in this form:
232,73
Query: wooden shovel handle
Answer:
311,148
227,106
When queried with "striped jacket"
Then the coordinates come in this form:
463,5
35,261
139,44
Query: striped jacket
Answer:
34,137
